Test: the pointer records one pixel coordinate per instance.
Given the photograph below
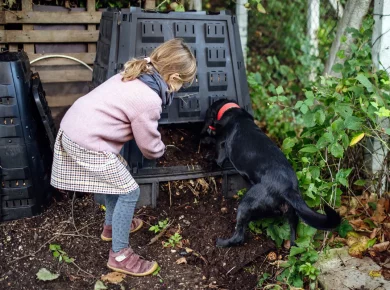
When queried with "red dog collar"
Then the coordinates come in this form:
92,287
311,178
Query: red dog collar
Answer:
224,108
222,111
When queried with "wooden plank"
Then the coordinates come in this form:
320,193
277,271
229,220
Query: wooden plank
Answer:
13,47
48,36
35,17
91,7
62,100
27,7
1,26
88,58
65,76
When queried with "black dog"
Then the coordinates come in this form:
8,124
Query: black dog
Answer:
275,189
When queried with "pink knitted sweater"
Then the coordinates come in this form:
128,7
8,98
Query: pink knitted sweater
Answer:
114,113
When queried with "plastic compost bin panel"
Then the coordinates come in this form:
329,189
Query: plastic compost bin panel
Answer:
231,183
214,40
105,65
25,158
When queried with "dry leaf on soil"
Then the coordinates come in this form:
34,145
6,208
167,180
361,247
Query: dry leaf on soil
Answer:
374,274
381,247
272,256
182,260
204,184
360,225
113,277
379,214
386,273
343,210
357,245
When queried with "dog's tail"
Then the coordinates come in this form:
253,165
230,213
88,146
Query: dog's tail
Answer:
319,221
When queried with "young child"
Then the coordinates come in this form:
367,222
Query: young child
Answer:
93,131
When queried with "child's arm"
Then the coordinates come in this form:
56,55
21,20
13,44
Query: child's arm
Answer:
146,135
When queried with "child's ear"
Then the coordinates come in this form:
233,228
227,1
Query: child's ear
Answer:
174,77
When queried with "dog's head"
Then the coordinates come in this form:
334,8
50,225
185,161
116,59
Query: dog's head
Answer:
210,122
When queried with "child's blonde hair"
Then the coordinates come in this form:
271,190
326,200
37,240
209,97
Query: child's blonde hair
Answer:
171,57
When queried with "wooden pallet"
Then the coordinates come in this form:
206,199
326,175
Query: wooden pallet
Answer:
54,70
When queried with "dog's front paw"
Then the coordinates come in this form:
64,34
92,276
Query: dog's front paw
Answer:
222,243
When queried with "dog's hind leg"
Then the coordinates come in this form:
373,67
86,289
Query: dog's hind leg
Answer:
249,207
293,220
243,219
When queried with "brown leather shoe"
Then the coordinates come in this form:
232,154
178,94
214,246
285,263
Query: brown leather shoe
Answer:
128,262
136,224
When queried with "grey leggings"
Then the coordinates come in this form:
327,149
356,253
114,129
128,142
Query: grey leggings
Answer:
119,213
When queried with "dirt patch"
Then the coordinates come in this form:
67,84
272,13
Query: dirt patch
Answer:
195,210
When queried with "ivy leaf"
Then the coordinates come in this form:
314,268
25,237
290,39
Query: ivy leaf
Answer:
344,228
309,119
303,242
365,82
360,182
337,67
45,275
320,117
337,150
353,123
99,285
279,90
304,230
309,149
304,108
296,250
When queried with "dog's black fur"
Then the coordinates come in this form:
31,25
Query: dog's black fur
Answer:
275,189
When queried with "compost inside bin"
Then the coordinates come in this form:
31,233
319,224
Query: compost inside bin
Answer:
184,148
183,141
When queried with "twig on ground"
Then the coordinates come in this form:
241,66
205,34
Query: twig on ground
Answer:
74,224
199,147
78,267
160,234
33,254
230,270
75,235
170,194
173,147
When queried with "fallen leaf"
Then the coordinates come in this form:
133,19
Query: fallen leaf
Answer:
204,184
360,225
343,210
374,232
287,244
272,256
386,273
45,275
99,285
351,241
379,214
188,250
359,247
182,260
340,240
113,277
381,247
375,274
